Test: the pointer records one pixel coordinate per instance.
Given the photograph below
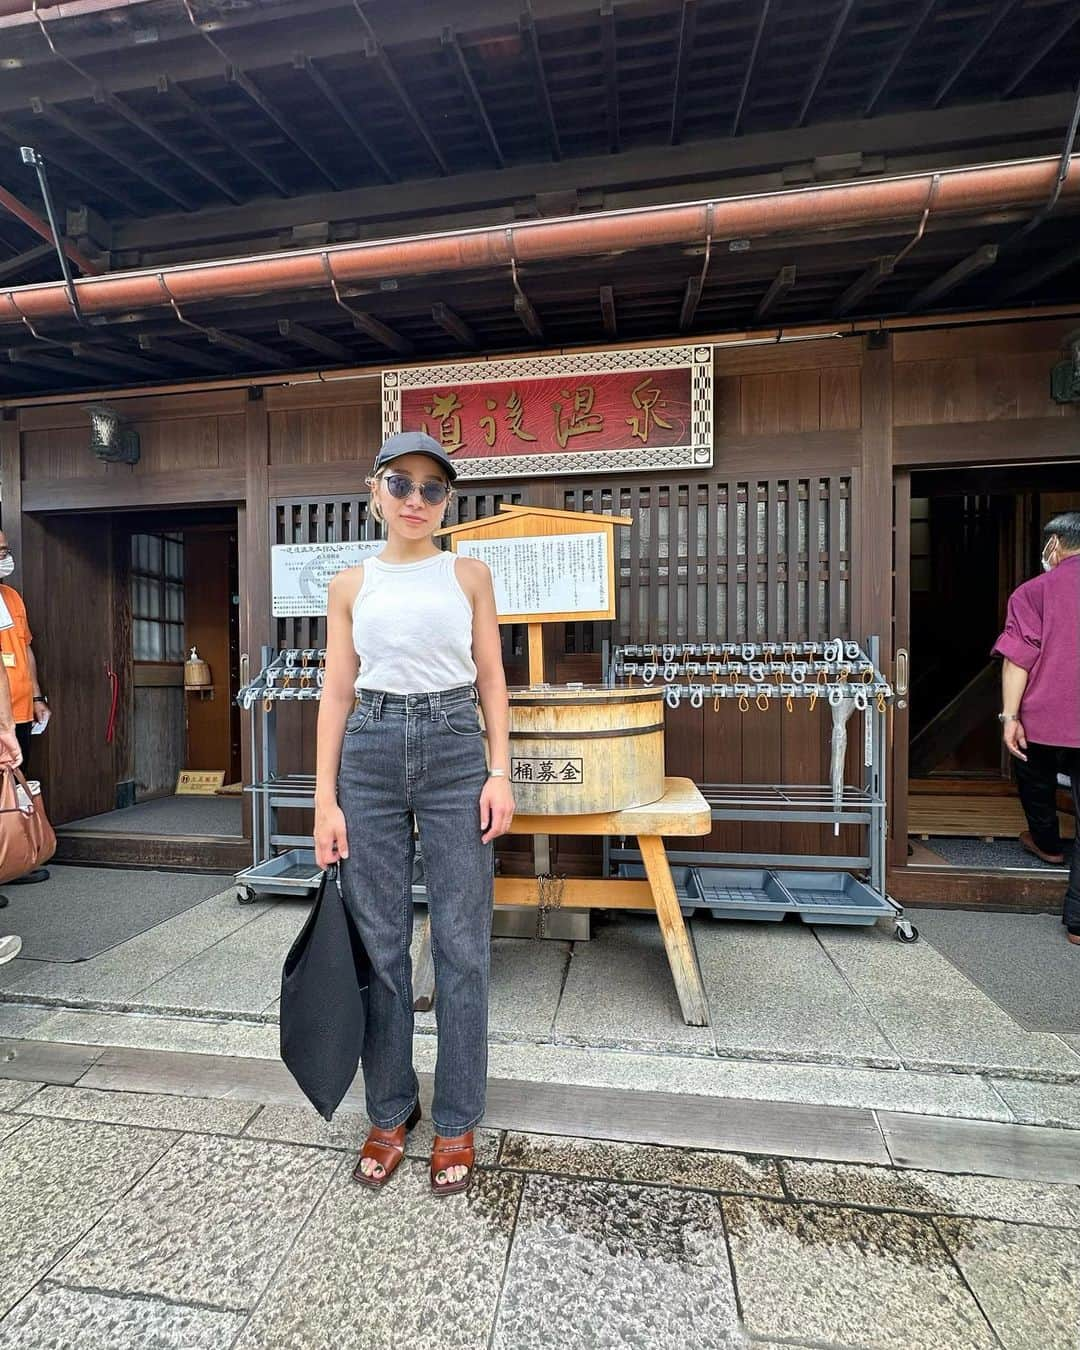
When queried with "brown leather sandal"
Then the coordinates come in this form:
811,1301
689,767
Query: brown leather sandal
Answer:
452,1151
387,1148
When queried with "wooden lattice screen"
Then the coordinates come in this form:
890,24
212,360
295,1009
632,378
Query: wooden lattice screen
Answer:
319,520
732,561
741,560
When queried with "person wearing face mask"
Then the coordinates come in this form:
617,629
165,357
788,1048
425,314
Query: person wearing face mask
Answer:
1040,682
10,758
28,704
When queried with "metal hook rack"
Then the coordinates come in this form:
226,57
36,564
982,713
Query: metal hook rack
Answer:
836,672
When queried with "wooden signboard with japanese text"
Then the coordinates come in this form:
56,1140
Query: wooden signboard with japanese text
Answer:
546,565
591,412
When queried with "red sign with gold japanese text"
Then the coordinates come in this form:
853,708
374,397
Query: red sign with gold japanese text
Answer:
593,412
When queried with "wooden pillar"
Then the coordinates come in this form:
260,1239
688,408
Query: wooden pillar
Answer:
253,540
872,540
11,480
873,601
258,625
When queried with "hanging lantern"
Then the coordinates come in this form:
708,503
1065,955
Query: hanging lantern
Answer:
110,438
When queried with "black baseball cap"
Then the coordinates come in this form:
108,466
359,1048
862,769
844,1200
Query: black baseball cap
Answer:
414,443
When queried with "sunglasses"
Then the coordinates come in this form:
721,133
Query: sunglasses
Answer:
434,492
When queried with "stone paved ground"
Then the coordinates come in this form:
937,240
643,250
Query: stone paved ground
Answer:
183,1223
900,1168
845,1017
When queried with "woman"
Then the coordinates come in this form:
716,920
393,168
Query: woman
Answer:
412,643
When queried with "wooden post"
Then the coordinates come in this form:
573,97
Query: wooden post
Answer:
536,653
256,623
681,957
424,971
11,481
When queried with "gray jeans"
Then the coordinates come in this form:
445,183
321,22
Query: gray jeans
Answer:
422,756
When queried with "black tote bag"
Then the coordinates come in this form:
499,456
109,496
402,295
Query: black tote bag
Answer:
324,1000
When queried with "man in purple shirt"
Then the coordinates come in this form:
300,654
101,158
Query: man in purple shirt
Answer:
1040,683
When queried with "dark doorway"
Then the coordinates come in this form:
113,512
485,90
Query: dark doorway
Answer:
975,535
126,597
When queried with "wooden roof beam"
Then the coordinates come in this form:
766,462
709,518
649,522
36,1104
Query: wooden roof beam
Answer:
308,337
607,310
1056,35
984,256
266,356
61,161
781,284
381,332
687,27
691,300
168,143
527,28
450,40
330,95
763,19
453,324
109,356
859,289
12,266
826,56
58,365
236,74
611,72
374,51
530,320
906,43
176,351
195,110
124,110
81,132
1004,9
244,82
1035,276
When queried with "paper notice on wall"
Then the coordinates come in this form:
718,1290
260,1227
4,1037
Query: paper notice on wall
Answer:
301,573
546,574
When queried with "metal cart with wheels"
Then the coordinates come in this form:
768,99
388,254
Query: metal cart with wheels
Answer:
839,674
283,864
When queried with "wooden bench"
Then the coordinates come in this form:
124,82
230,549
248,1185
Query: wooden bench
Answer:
681,812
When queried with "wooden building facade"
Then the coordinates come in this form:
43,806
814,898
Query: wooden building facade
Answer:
790,534
868,211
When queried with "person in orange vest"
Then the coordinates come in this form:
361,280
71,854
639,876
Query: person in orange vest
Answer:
10,758
28,704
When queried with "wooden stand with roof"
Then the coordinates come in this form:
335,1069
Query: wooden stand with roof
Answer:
680,810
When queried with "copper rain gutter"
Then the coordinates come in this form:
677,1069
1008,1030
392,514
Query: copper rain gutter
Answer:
986,188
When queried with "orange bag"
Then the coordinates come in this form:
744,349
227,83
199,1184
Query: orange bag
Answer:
27,839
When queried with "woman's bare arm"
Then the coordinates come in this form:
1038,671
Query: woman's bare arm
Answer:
338,697
497,798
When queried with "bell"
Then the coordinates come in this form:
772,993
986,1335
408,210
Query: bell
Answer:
196,672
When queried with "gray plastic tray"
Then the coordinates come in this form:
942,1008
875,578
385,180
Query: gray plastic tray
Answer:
291,873
834,897
742,893
685,885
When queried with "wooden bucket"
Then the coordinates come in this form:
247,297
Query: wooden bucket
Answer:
574,751
196,672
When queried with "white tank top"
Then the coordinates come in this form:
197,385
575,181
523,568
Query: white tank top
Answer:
412,627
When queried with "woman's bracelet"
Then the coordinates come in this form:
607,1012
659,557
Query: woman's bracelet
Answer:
496,773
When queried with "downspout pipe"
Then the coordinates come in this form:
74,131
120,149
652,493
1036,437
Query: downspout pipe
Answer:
990,187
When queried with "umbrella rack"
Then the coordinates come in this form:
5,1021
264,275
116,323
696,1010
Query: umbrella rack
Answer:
842,678
283,864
